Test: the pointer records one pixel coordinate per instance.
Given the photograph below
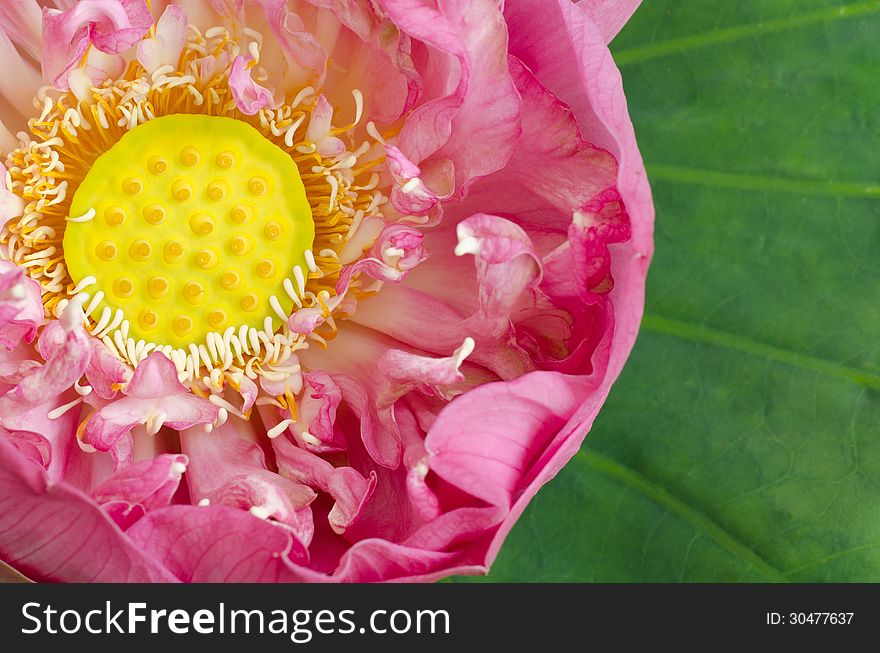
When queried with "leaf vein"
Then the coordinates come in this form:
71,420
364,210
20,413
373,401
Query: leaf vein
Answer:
698,520
672,46
702,334
716,179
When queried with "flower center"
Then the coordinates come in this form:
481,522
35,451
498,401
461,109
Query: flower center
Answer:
189,224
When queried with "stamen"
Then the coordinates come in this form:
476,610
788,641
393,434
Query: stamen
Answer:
279,428
58,412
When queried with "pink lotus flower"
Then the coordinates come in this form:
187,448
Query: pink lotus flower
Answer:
304,290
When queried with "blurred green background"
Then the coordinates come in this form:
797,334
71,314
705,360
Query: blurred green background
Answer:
742,442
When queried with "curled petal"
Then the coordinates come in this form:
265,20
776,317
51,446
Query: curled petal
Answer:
396,251
422,498
106,373
165,47
21,306
402,371
476,124
410,194
306,320
249,391
111,26
516,421
66,364
142,486
249,96
349,489
315,427
320,127
229,468
304,58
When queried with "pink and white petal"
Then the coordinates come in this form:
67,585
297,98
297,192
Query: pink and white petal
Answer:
410,194
165,47
112,26
22,22
320,128
21,306
316,420
351,363
249,96
109,425
248,391
304,58
53,532
183,411
106,374
11,205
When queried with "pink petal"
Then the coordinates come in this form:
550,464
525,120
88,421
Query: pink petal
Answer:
552,159
229,468
56,533
373,47
349,489
65,365
165,47
319,401
153,391
304,57
11,205
155,377
476,125
506,267
48,442
486,441
143,486
21,306
397,250
106,373
249,96
320,126
22,22
112,26
609,15
410,194
218,544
